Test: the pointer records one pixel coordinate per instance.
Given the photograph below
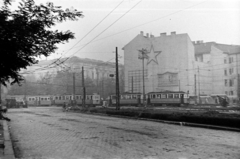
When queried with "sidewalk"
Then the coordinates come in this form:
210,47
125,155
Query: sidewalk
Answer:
6,148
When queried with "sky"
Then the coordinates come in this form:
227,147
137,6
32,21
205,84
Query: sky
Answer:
209,20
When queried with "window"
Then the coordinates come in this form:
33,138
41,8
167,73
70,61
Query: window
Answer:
226,83
164,96
231,71
176,95
225,72
226,92
170,95
231,93
225,61
230,59
231,82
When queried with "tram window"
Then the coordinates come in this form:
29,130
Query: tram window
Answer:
60,98
67,97
154,96
91,97
56,98
63,97
163,96
170,95
158,95
176,95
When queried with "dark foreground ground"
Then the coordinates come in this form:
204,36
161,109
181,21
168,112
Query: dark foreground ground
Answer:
51,133
217,116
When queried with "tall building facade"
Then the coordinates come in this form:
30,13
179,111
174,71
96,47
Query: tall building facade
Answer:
174,63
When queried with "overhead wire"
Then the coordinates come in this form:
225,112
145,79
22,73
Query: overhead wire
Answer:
55,62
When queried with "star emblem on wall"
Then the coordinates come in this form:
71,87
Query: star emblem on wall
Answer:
152,55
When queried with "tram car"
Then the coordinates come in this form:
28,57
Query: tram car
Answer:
40,100
127,99
90,100
167,98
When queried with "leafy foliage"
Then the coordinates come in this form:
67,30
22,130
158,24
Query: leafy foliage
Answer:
26,33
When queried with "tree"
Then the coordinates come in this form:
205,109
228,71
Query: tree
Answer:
27,33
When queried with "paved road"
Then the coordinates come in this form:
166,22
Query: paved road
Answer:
51,133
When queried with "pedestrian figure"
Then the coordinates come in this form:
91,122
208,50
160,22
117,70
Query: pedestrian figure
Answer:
2,117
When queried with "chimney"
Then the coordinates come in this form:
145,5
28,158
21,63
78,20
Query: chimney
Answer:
151,36
163,34
173,33
147,35
141,32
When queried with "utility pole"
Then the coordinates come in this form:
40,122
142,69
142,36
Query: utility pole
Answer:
117,82
74,93
132,84
179,85
25,92
103,87
195,86
198,86
142,58
83,86
0,94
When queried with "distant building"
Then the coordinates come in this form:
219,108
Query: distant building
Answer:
94,69
175,63
219,68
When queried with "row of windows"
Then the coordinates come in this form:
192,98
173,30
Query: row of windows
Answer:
230,60
78,97
230,83
61,98
229,93
152,96
42,98
231,71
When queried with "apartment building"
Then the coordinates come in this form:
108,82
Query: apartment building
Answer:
173,62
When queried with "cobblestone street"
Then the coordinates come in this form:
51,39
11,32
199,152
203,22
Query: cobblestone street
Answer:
51,133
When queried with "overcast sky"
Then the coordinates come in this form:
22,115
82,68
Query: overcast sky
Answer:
209,20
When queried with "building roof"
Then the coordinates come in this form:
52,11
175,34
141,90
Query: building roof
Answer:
205,48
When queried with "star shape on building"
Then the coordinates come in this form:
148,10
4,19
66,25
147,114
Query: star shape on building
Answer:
152,55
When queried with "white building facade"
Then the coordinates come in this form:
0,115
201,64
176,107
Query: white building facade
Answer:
174,63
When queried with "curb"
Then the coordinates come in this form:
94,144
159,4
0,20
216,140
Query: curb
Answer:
8,150
172,122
